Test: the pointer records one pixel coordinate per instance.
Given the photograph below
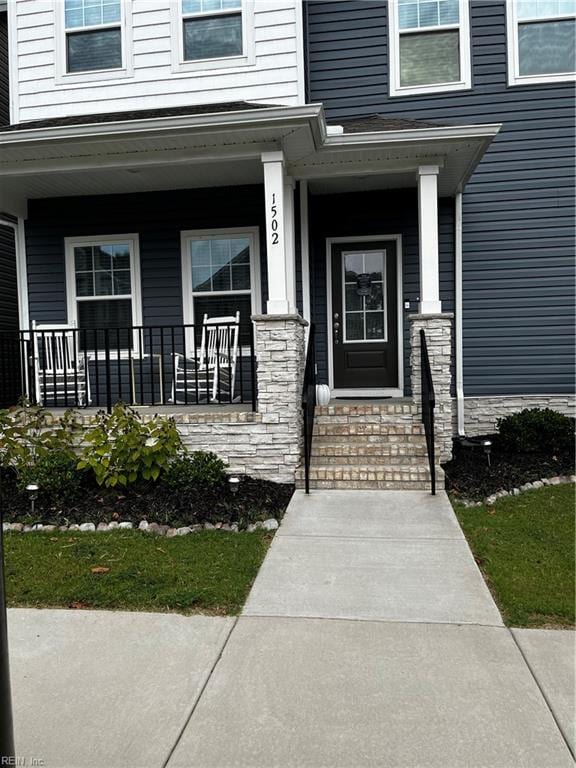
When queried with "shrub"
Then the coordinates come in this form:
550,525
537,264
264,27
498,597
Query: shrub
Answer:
537,430
122,449
30,436
198,468
57,477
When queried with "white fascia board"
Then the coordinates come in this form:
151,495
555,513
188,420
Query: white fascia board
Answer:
244,118
448,133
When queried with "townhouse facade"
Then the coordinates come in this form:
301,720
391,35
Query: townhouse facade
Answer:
376,169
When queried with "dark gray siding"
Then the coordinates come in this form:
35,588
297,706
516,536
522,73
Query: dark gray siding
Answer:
518,236
4,79
8,282
158,219
376,213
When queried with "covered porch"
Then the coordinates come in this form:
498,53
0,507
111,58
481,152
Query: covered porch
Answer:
251,209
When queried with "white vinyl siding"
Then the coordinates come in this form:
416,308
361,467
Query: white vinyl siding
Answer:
274,74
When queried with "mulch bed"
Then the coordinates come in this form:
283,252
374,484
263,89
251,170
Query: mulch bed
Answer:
255,500
468,475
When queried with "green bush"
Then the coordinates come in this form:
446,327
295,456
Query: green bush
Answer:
198,468
31,435
122,449
56,475
537,430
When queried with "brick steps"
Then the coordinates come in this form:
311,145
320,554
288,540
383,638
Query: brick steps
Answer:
373,446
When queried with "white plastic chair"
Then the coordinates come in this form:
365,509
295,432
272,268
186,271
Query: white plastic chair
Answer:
61,373
212,375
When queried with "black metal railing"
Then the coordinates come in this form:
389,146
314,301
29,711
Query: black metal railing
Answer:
428,405
309,403
169,365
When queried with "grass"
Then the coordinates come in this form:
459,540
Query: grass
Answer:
207,572
524,546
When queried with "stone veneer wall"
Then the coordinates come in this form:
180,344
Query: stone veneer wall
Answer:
482,413
265,444
438,330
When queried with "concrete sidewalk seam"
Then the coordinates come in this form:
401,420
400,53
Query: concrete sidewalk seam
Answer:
542,692
200,694
371,537
363,620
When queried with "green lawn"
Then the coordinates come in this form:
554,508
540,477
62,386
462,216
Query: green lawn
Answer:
525,548
207,572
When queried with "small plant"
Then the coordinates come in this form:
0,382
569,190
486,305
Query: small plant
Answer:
30,437
122,449
57,477
198,468
537,430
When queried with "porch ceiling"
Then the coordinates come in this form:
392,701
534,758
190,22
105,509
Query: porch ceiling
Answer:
219,148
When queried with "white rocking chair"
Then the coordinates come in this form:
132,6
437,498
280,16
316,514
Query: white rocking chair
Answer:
61,374
211,377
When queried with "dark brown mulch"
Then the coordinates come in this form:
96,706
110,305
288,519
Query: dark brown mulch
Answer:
255,500
468,475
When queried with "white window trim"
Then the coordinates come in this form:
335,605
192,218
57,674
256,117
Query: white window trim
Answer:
71,78
255,292
514,76
463,26
135,282
204,66
384,339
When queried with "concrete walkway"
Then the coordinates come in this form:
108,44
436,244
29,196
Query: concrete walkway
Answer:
369,639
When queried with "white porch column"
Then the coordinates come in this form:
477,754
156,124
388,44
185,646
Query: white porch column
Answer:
279,202
428,233
289,242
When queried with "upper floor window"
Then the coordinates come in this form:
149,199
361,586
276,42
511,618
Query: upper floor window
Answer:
93,30
541,40
212,29
429,46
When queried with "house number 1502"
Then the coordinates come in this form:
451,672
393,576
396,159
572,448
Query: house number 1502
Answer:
274,220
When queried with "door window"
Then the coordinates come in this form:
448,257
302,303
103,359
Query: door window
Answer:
364,296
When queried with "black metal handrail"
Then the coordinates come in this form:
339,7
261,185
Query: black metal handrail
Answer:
64,367
309,402
428,405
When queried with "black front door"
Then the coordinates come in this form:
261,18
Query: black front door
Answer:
364,315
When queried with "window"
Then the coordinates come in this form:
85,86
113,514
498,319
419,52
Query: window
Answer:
103,288
212,29
364,299
93,35
541,41
429,46
220,276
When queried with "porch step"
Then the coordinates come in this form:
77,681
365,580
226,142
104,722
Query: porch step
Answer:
331,448
367,485
332,427
396,408
375,460
369,477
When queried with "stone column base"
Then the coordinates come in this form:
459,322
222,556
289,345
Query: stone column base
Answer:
438,330
280,361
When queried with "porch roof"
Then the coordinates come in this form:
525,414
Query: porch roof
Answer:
221,145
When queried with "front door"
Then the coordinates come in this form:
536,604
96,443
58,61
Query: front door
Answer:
364,315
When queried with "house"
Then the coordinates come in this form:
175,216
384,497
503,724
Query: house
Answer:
377,169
